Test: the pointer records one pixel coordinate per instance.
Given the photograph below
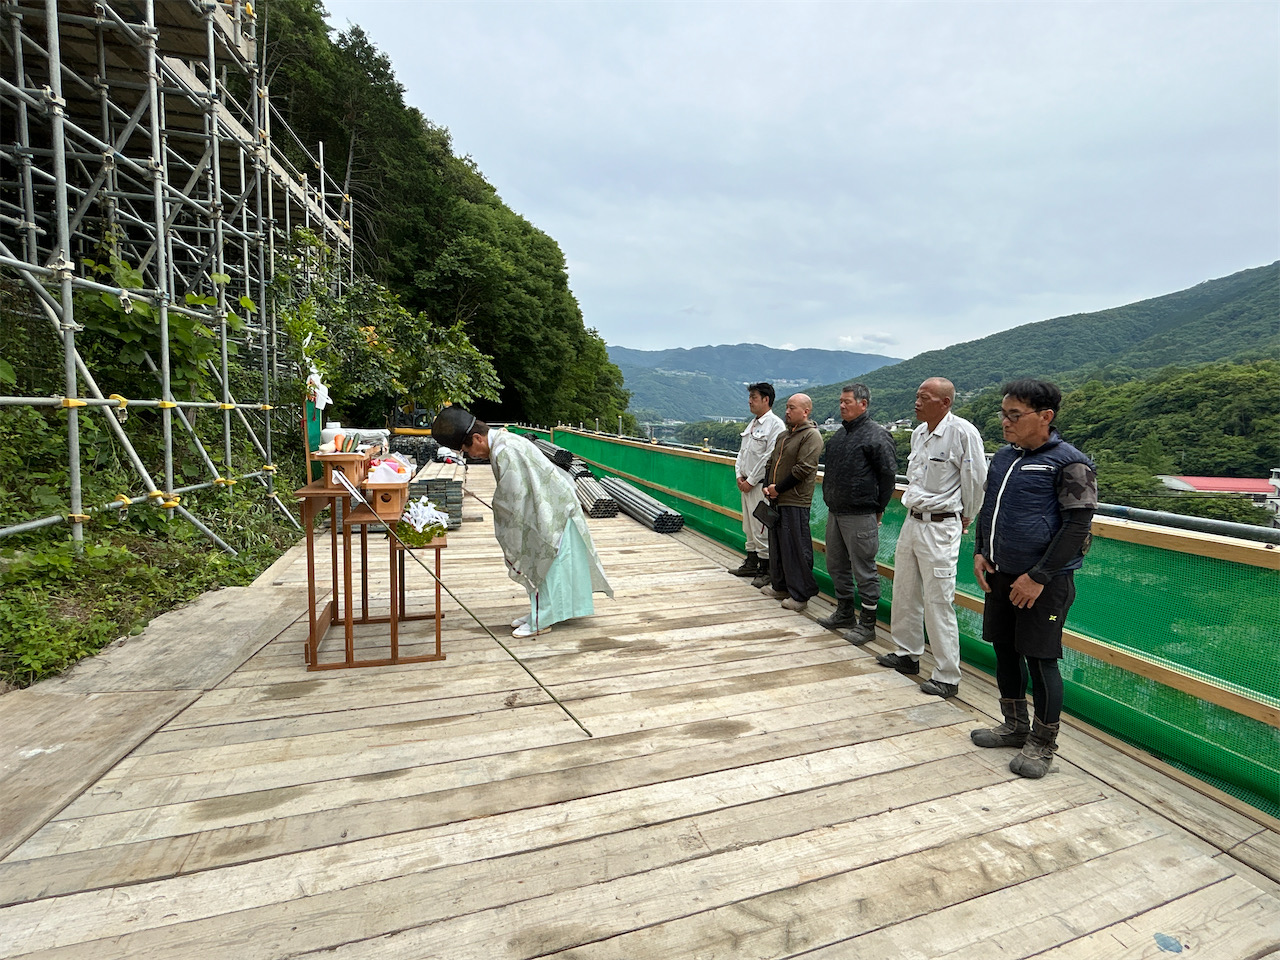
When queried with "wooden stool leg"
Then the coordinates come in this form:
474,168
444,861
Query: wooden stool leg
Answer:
439,612
404,606
309,648
347,587
393,599
333,556
364,571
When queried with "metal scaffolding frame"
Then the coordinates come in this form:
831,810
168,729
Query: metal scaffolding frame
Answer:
146,126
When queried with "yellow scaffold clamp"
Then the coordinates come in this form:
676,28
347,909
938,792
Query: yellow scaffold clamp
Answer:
265,406
268,468
70,403
122,407
122,503
224,482
79,517
156,495
165,404
226,406
171,502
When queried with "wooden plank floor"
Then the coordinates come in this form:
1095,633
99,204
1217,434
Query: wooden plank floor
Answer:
754,787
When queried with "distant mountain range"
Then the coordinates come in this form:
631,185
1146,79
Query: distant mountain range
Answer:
701,383
1231,318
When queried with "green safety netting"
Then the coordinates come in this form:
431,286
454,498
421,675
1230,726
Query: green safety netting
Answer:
1213,619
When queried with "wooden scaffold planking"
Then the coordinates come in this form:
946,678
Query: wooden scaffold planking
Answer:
755,786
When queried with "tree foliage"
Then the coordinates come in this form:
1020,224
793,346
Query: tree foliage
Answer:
1217,419
712,433
368,349
433,231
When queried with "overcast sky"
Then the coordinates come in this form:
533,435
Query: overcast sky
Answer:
880,177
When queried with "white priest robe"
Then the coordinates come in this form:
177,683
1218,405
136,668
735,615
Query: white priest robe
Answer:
543,533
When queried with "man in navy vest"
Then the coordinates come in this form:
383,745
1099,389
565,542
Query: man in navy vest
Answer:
1032,534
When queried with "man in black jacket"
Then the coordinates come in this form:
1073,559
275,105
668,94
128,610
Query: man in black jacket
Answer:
861,463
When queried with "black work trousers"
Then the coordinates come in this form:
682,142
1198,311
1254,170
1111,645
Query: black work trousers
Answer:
791,554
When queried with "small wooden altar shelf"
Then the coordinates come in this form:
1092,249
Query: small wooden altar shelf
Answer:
338,607
354,466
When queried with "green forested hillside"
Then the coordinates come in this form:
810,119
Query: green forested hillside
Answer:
1214,320
431,228
659,395
687,384
750,362
1216,419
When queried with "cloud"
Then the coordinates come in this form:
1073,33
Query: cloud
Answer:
872,341
899,176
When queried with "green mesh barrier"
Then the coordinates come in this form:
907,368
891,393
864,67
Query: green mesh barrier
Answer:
1215,619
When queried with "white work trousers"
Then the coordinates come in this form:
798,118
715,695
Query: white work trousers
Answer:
924,587
757,533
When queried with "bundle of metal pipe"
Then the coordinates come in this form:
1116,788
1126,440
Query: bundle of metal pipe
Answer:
595,501
642,507
558,455
579,468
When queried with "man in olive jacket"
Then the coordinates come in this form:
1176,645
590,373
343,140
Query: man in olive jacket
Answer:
789,479
857,485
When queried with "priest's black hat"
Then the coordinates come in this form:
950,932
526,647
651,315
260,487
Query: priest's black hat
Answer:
452,427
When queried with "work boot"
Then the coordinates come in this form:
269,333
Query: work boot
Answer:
750,566
773,594
846,615
1036,758
763,577
1012,733
940,688
792,604
898,662
865,629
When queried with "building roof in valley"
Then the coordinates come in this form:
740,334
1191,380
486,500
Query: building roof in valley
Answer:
1244,485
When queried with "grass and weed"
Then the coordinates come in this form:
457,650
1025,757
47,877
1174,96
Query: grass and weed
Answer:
61,602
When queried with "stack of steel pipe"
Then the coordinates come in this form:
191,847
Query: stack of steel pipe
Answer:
642,507
595,501
558,455
579,468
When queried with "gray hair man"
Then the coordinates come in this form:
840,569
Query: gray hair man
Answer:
861,467
789,482
945,475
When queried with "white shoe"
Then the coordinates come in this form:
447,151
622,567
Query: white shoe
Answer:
789,604
520,621
524,631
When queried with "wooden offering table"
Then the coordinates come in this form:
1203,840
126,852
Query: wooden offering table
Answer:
315,497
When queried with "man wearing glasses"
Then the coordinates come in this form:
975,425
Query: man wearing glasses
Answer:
1033,531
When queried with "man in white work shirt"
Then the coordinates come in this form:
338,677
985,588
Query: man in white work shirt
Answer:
753,456
945,477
